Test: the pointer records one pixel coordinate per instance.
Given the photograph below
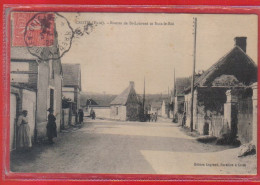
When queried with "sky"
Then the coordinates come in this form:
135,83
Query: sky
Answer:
113,54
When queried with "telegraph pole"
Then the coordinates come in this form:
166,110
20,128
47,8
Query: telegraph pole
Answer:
193,71
144,98
174,87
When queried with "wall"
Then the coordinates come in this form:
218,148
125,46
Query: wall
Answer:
19,66
187,107
102,112
24,72
245,116
121,112
217,127
58,101
65,118
13,117
132,111
45,83
42,99
254,121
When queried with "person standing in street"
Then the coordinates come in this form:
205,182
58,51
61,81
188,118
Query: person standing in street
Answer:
155,117
24,137
81,116
51,126
152,117
93,115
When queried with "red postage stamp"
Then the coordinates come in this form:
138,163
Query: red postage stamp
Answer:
33,29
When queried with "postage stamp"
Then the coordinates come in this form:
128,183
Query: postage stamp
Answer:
133,93
37,31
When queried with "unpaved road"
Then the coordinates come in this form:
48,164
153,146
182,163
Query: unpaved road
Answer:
101,146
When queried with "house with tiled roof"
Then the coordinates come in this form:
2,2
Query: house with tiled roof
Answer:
213,111
71,86
126,106
35,87
178,96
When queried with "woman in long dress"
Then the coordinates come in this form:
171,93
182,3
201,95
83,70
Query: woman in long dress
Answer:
24,137
51,126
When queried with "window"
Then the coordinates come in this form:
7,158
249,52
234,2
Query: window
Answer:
52,99
116,110
51,69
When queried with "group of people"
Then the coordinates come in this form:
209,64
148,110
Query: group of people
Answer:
24,140
152,117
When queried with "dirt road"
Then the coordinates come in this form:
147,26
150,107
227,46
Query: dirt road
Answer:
101,146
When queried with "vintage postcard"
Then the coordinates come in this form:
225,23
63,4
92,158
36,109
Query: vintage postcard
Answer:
133,93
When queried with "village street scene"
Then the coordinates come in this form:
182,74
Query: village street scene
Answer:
123,99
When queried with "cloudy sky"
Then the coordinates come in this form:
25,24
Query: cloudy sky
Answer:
114,54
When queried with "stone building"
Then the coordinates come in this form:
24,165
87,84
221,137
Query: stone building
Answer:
215,112
71,88
39,81
126,106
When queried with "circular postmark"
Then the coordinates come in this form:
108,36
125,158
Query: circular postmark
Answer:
48,36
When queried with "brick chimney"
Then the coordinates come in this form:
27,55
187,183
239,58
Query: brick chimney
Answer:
241,42
132,84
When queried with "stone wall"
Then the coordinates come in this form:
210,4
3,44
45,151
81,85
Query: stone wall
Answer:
118,112
102,112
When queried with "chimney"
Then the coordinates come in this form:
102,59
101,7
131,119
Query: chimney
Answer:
132,84
241,42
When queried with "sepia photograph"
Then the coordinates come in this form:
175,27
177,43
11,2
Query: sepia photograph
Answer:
133,93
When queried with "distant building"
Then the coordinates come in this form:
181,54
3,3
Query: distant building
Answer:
178,97
126,105
102,110
156,107
166,109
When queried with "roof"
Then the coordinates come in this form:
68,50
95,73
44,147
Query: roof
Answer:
236,62
122,98
71,75
21,53
181,84
91,102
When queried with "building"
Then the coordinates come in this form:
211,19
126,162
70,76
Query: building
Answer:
222,93
102,109
126,106
156,107
35,87
166,109
71,89
178,97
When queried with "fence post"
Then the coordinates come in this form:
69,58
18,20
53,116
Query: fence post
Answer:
254,100
230,113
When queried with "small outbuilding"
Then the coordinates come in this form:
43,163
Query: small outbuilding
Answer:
126,106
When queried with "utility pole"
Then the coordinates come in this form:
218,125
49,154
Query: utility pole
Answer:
168,93
174,87
144,98
174,93
193,72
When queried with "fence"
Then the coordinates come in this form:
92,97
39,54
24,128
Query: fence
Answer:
245,119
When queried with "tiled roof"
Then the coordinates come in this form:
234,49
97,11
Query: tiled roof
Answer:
182,84
71,75
233,59
122,98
